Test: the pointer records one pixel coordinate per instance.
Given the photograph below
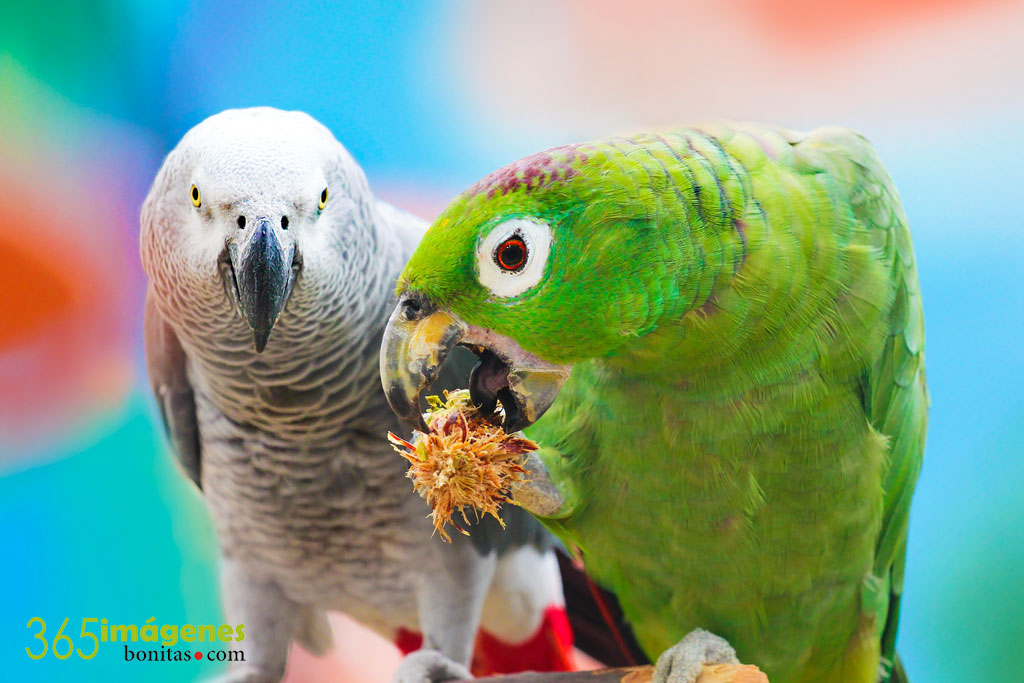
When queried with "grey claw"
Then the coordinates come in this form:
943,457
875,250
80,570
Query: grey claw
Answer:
429,666
682,663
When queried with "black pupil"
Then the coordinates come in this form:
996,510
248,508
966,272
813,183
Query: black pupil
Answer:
512,255
195,193
323,197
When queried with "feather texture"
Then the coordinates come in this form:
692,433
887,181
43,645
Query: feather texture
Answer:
745,418
312,509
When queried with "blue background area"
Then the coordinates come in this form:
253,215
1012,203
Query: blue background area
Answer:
94,519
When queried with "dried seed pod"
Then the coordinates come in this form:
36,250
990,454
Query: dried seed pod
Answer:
465,460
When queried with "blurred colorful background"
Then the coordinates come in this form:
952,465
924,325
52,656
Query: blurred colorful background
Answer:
94,518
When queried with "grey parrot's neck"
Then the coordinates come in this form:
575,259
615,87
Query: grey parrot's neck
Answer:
324,345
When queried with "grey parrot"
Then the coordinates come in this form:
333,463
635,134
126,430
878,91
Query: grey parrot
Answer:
271,273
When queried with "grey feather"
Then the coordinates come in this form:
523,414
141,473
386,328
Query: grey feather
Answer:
312,508
165,364
521,529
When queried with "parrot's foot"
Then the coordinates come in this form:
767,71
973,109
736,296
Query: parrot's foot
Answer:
682,663
429,666
249,674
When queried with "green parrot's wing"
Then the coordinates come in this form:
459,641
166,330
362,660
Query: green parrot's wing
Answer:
893,388
165,363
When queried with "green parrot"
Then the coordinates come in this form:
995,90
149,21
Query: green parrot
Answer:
715,335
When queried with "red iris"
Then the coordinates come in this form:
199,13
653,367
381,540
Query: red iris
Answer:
511,254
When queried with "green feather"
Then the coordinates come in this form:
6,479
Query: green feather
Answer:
745,418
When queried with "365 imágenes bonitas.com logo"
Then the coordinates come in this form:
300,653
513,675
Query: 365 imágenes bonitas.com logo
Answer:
166,642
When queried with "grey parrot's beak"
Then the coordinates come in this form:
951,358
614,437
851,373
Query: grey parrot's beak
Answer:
262,265
419,337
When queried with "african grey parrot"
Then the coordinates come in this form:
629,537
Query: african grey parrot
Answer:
271,275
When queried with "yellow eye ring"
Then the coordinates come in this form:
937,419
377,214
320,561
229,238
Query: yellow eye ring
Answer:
323,199
196,198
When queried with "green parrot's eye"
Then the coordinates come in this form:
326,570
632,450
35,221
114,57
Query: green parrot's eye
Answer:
512,256
196,198
323,199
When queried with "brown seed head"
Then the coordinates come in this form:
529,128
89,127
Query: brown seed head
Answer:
465,460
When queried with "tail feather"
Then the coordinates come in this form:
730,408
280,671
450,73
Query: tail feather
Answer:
524,625
550,649
899,674
597,620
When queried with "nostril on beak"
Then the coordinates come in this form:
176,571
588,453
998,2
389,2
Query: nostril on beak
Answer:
411,309
241,222
284,222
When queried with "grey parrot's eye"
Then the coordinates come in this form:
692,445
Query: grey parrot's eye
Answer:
196,198
323,199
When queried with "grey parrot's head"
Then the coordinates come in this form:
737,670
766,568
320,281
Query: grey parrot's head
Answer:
255,197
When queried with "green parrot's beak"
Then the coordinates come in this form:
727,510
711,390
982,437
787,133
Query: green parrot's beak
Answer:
263,267
419,337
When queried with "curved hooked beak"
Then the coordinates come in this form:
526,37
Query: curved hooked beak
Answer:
419,337
263,268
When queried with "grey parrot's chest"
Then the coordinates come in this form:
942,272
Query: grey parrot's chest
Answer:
302,496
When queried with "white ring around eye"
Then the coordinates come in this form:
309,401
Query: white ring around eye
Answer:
536,235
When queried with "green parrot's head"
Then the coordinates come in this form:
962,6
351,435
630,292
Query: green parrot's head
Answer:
536,267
